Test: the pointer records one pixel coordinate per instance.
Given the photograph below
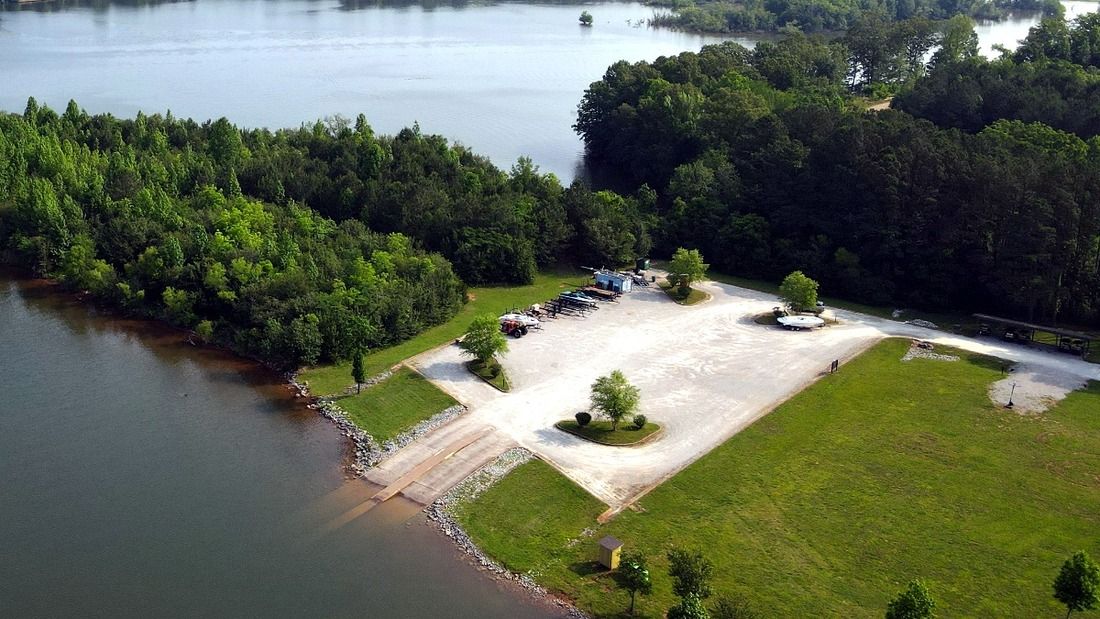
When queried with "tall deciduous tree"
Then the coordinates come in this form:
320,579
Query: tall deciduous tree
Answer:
915,602
635,577
1078,583
799,291
483,339
614,397
686,267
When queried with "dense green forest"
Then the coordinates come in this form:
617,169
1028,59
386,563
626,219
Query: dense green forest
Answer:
1051,78
294,246
304,245
730,16
761,161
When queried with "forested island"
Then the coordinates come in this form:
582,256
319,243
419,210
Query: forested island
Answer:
729,16
305,245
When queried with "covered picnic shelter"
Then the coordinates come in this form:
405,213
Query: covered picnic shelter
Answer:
1066,340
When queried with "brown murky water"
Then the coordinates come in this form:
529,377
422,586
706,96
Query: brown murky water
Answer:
140,476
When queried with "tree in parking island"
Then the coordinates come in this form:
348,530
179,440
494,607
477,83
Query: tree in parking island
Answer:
686,266
614,397
1078,583
799,291
483,339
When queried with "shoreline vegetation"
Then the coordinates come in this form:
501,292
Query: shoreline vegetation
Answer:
304,246
755,16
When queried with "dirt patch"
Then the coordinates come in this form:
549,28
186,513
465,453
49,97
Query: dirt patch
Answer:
1036,390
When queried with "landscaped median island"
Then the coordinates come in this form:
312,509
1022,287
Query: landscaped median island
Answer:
885,472
685,267
693,296
490,371
602,432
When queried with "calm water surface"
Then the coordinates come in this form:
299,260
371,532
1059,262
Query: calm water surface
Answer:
503,78
140,477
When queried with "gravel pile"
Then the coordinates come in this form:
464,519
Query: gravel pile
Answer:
441,513
922,323
916,351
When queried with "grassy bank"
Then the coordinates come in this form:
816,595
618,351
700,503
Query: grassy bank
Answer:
528,519
601,432
395,404
329,379
881,473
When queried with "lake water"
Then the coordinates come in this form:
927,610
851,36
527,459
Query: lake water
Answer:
141,477
503,78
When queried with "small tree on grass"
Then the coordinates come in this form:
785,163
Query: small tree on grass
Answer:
687,266
614,397
690,607
799,291
1078,583
690,572
635,577
483,339
357,372
586,18
914,603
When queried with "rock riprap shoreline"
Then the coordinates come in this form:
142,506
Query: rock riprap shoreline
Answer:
441,513
368,451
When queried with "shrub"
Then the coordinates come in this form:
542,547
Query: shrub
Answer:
583,418
639,421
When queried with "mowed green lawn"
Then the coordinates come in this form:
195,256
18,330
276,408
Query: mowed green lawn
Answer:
395,404
884,472
528,518
324,380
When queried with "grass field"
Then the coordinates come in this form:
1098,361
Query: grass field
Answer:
600,431
883,472
533,538
395,404
324,380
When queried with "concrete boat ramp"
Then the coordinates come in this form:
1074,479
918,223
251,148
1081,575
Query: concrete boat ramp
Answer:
429,467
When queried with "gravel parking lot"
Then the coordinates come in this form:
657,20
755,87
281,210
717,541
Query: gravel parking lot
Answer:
705,372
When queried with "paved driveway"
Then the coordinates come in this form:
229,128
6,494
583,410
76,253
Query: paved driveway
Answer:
705,372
